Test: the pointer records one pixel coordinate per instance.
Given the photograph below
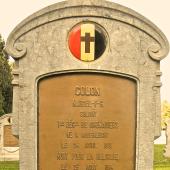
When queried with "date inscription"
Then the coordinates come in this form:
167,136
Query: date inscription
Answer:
87,122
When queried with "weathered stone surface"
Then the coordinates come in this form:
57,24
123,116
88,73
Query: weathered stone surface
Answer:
135,48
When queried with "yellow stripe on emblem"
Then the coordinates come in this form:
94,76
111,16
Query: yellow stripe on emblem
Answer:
87,42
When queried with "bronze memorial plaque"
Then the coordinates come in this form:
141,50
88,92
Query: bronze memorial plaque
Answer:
9,139
86,121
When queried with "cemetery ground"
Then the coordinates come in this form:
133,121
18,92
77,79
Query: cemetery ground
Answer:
14,165
160,162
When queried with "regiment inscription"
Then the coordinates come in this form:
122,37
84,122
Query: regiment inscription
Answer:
87,122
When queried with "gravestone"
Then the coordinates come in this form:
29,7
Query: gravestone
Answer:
167,148
86,87
9,145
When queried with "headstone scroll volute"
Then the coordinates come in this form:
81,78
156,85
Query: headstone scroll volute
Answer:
63,75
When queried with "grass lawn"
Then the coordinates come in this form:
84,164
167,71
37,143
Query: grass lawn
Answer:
160,162
9,166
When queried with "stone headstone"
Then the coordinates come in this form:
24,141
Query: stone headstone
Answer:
9,144
86,87
167,148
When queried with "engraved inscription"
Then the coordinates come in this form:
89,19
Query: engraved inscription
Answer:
91,167
87,91
88,103
90,145
62,156
88,114
94,135
87,122
112,156
93,125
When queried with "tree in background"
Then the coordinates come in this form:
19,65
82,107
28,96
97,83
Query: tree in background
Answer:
5,82
165,113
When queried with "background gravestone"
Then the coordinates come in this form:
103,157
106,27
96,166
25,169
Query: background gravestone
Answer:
9,145
167,148
86,86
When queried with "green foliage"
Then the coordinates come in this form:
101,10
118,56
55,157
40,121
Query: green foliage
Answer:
5,82
165,113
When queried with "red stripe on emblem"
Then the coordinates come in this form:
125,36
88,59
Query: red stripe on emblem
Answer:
74,42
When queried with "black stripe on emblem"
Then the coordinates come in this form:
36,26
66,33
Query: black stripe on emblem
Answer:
100,44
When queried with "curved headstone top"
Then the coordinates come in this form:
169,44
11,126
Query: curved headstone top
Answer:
87,9
89,56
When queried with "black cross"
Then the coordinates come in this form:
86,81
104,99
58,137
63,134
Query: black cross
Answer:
87,39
